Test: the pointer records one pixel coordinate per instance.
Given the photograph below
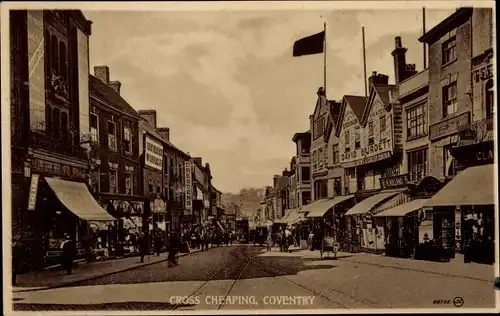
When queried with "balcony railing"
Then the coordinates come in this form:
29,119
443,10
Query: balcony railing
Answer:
476,132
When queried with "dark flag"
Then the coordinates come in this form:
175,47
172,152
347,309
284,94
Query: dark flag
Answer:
309,45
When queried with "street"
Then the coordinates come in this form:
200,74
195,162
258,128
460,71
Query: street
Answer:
248,277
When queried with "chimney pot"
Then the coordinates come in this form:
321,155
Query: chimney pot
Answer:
148,115
398,42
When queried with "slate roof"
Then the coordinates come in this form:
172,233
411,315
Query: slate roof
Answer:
102,91
384,91
357,105
151,130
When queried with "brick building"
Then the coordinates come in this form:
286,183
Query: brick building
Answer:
49,115
303,168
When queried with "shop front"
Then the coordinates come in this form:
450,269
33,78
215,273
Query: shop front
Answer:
468,226
365,232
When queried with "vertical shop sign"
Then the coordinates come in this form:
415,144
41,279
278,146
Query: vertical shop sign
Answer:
188,178
33,192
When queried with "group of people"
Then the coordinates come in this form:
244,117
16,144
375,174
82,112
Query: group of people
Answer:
283,238
201,237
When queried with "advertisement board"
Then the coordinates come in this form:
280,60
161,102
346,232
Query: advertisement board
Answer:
153,154
33,192
83,82
36,69
188,187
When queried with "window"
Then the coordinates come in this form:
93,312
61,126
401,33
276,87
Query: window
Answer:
94,128
63,65
337,186
325,151
315,159
54,54
320,127
347,142
450,99
95,184
448,167
127,139
336,154
111,135
306,198
357,138
129,184
449,50
113,181
417,164
370,133
383,126
306,174
416,125
489,99
56,123
320,157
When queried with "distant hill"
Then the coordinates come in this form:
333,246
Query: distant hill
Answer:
244,204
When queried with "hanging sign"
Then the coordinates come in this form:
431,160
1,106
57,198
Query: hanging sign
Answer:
188,186
33,192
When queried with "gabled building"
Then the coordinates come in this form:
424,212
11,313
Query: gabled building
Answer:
335,170
303,167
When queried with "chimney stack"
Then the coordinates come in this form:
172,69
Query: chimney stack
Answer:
148,115
399,55
198,160
115,85
165,132
377,79
102,73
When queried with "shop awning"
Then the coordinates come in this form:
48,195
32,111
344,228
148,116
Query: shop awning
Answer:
76,198
473,186
321,210
367,204
292,216
312,206
403,209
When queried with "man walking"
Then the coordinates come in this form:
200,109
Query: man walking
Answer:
143,246
68,252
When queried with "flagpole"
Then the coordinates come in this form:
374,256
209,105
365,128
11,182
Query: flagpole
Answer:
324,59
364,60
423,32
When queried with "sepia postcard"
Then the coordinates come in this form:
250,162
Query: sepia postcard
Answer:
249,157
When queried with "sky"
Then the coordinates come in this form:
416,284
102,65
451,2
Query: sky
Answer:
226,84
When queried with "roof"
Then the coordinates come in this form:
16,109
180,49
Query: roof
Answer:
457,18
383,92
335,108
148,128
102,91
296,136
357,104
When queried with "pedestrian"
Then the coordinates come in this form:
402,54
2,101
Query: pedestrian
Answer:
174,247
143,246
269,242
68,253
157,242
15,261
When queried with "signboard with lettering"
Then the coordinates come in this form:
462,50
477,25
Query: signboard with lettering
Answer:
448,126
36,69
188,187
374,142
394,182
33,192
56,168
153,154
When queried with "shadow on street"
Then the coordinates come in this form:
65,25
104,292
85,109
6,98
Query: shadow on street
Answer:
96,307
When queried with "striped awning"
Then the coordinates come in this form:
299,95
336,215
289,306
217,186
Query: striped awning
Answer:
321,210
403,209
367,204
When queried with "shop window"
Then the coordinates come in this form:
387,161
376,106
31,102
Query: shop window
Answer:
306,174
383,126
417,164
489,99
94,128
357,138
127,139
129,183
450,105
336,154
416,125
449,50
371,139
113,181
112,135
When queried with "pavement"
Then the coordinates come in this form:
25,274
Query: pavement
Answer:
84,271
249,278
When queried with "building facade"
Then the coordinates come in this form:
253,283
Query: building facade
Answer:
336,185
319,149
303,168
49,115
292,185
461,114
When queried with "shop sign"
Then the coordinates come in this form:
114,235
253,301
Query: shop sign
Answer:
394,182
33,192
368,160
483,73
57,168
188,186
153,154
448,126
484,155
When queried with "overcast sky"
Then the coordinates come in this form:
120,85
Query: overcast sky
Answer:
226,82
